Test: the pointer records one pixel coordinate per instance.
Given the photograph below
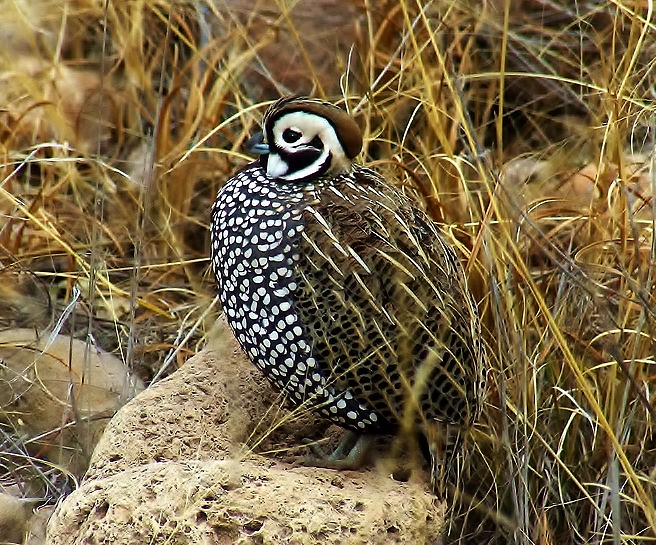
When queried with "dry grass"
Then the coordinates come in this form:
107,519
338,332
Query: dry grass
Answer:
526,127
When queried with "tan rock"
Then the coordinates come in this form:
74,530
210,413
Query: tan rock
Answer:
299,45
36,526
13,519
56,392
171,467
252,501
213,404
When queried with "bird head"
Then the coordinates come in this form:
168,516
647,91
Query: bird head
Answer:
305,138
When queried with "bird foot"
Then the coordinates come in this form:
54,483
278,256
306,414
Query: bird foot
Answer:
351,453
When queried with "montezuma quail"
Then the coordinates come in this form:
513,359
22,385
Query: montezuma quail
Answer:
339,289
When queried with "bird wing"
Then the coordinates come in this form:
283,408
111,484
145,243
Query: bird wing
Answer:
385,303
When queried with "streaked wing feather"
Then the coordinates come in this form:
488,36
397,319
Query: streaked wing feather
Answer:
385,304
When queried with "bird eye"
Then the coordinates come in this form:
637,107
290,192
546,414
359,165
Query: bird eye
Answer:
290,135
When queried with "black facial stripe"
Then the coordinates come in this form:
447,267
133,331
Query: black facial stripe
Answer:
300,159
316,143
326,165
269,135
264,159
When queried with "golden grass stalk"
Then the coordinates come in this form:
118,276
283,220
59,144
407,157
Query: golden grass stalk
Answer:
526,128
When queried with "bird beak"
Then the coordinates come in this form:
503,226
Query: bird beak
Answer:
256,144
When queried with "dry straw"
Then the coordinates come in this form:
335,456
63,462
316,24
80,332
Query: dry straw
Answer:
526,128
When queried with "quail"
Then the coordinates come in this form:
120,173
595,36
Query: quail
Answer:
340,289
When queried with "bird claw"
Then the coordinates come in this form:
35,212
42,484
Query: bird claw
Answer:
351,453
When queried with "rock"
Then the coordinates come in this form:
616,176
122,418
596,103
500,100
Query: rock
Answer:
207,409
13,519
171,467
36,526
24,300
307,45
248,501
52,389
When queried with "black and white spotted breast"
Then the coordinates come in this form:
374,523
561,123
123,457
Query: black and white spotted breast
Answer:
257,226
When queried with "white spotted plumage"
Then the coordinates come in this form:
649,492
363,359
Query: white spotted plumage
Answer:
255,223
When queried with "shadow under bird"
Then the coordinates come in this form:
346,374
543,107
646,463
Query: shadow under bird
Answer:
342,291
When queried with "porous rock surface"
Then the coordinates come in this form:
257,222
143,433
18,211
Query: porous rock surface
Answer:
174,466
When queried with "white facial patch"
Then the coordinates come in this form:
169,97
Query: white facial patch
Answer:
309,125
276,167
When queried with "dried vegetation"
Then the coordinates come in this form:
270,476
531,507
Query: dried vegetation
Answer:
526,127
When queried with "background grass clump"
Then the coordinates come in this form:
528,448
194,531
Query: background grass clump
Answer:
526,129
